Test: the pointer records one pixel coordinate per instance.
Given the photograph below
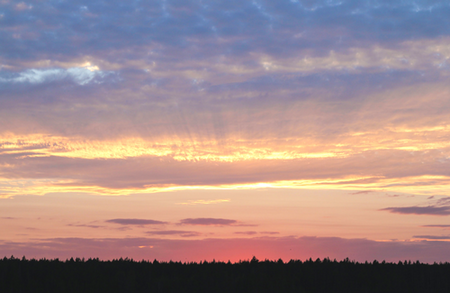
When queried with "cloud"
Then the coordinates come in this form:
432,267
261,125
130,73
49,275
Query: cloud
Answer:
416,210
174,233
437,226
246,233
22,6
443,201
216,28
218,94
161,173
363,192
135,222
432,237
79,75
209,222
270,232
85,225
202,201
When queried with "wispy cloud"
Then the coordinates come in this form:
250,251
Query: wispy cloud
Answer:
174,233
202,201
437,226
418,210
363,192
246,233
270,232
79,75
86,225
135,222
432,237
209,222
443,201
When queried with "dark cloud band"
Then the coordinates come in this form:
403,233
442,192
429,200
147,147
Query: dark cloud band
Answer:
135,222
428,210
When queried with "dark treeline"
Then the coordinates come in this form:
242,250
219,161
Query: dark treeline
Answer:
127,275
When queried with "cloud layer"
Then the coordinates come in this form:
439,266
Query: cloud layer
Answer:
212,94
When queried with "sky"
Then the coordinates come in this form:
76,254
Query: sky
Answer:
199,130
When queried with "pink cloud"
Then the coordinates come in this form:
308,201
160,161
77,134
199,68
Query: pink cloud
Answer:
246,233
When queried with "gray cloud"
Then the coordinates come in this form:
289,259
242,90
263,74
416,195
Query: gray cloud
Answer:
135,222
86,225
427,210
173,109
432,237
195,29
443,201
363,192
209,222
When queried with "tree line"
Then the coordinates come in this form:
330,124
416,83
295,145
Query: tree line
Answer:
127,275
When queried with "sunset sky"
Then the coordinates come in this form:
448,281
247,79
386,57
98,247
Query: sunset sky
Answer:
192,130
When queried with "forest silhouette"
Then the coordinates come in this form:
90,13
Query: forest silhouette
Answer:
128,275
